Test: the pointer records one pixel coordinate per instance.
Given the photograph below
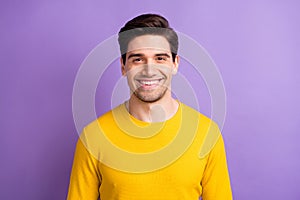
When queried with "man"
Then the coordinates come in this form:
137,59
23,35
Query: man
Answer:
152,146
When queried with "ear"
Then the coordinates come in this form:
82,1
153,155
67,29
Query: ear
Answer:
175,65
123,70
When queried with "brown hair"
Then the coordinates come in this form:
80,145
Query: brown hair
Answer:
147,24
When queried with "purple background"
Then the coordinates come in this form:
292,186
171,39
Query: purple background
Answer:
255,44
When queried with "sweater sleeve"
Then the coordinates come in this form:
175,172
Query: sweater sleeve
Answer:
216,182
85,177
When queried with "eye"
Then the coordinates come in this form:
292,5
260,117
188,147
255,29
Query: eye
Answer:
161,58
137,60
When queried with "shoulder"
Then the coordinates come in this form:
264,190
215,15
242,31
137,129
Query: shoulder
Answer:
107,118
93,135
208,132
192,113
95,128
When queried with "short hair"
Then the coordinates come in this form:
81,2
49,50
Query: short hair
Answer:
147,24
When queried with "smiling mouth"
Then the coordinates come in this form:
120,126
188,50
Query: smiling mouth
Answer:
149,84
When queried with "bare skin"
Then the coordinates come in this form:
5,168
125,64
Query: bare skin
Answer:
149,69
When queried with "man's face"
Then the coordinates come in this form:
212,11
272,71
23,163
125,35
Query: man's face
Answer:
149,67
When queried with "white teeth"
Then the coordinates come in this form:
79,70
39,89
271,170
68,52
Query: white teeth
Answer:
149,82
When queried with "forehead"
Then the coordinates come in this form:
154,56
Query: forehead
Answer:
149,42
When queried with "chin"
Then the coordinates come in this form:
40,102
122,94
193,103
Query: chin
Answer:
150,99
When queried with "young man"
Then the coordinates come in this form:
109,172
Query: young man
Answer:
152,146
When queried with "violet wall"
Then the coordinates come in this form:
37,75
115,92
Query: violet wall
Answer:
255,45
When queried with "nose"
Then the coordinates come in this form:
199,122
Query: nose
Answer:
148,69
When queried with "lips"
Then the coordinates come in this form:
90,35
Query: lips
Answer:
149,84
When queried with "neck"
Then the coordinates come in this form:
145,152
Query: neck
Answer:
158,111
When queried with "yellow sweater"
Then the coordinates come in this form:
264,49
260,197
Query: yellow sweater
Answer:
121,158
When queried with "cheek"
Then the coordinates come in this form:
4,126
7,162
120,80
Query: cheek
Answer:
130,78
132,70
167,72
167,69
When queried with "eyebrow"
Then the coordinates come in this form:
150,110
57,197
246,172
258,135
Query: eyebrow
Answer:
140,55
135,55
163,54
